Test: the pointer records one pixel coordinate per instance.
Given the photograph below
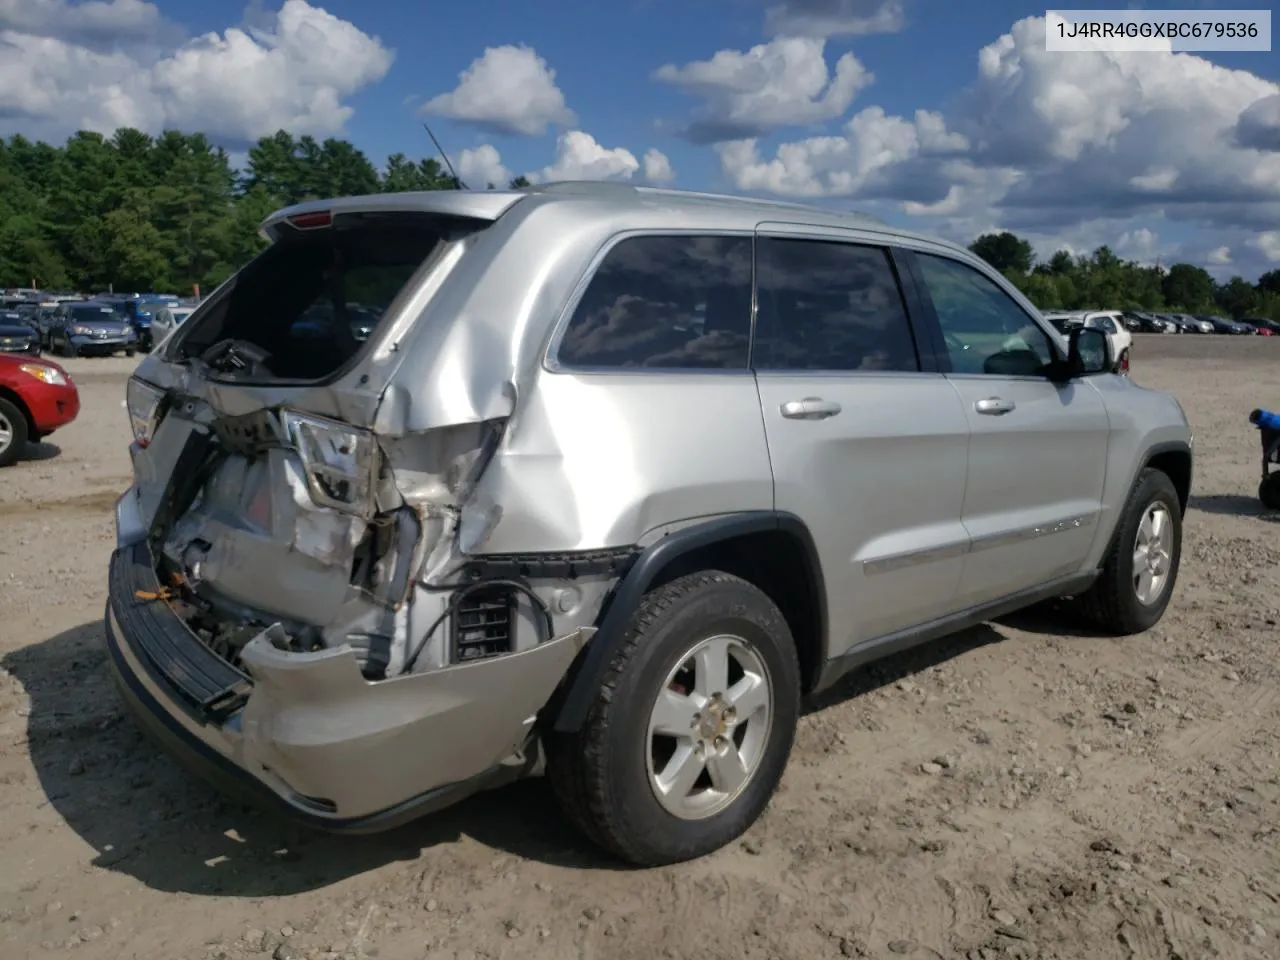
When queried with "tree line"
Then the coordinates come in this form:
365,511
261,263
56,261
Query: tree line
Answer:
167,213
1102,281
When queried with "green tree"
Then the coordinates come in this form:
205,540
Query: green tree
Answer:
1188,287
1238,297
1004,251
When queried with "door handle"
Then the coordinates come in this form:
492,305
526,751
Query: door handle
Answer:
810,408
993,406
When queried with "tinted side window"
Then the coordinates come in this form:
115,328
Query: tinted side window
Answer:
984,328
673,301
829,306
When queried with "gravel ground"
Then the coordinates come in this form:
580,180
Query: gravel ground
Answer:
1024,789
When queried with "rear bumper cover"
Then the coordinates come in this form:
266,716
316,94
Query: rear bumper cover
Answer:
304,733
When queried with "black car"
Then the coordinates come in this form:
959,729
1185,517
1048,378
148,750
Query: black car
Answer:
1262,323
17,335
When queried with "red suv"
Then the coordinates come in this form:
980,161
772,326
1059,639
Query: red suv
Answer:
36,398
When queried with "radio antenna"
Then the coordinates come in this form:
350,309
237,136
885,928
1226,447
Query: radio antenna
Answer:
445,157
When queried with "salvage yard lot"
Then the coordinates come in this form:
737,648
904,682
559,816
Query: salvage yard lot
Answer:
1024,789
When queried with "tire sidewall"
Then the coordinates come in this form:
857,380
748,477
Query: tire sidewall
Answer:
1269,491
1152,487
733,608
18,424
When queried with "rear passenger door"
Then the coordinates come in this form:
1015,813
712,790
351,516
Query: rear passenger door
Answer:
1037,449
868,447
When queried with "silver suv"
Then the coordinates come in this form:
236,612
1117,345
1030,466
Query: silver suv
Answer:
601,480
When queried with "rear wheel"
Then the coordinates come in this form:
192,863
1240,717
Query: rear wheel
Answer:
1269,491
13,432
692,727
1141,566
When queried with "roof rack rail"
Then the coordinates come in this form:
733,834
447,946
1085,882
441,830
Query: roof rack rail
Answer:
606,187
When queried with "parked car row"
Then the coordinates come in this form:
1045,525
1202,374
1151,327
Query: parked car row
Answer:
49,318
1140,322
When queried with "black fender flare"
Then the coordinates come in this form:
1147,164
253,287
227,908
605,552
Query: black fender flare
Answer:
579,692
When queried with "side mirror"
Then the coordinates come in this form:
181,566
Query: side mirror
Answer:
1089,353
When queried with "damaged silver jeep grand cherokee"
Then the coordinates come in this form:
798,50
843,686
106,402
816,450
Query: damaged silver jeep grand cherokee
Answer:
444,488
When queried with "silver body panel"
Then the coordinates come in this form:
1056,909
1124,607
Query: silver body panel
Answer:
919,505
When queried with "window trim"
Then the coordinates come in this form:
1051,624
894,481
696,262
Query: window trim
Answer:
551,362
942,355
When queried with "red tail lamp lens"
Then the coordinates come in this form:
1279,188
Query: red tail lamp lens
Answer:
310,221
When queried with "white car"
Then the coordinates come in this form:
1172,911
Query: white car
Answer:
168,319
1110,322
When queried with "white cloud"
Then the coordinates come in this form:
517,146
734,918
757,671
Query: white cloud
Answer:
508,89
482,166
1141,244
845,165
834,18
657,167
580,157
1267,244
114,22
293,73
1219,256
785,82
1040,141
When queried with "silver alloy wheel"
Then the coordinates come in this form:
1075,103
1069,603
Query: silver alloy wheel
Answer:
6,433
709,727
1153,553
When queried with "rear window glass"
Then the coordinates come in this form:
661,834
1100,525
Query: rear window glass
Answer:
679,301
311,299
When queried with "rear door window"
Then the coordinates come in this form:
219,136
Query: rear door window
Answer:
830,306
678,301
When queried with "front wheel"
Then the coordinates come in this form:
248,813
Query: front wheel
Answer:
13,432
1141,566
692,726
130,351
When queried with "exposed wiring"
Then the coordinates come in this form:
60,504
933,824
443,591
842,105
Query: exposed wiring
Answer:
464,591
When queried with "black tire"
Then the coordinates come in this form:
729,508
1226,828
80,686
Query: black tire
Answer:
17,422
1269,491
130,351
1112,604
600,773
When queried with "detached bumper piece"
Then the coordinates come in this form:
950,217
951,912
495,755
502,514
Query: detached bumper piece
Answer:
208,687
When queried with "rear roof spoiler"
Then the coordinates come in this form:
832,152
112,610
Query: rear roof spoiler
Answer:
473,204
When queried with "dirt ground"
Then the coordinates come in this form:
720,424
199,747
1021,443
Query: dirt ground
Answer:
1021,790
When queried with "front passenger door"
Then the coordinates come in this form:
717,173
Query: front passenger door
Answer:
1037,448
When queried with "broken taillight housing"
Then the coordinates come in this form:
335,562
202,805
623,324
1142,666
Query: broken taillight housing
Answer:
143,402
340,461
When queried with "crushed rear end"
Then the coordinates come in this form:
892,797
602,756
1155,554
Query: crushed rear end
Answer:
296,602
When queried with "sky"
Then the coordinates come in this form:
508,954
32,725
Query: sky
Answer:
948,118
